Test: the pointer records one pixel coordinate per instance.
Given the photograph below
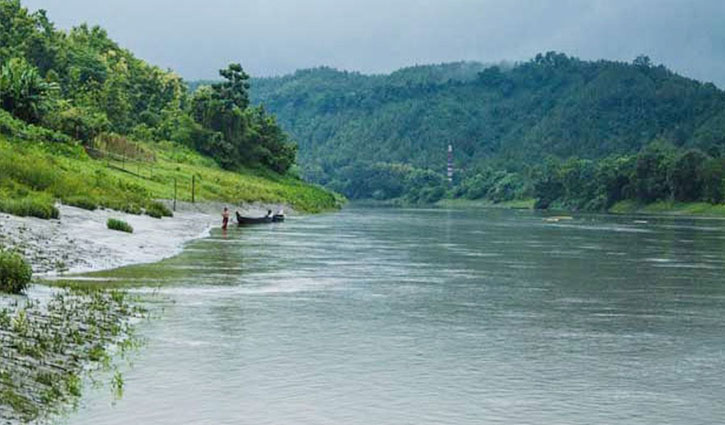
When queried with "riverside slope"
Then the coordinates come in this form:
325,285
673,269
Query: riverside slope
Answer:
80,241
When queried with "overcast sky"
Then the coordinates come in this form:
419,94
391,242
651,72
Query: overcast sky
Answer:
197,37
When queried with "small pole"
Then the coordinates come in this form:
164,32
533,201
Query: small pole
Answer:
174,193
450,165
193,187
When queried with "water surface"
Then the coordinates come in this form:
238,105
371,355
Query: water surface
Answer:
374,316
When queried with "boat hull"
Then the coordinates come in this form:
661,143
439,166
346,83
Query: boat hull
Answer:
241,220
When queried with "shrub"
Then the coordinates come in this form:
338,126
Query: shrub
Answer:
116,144
122,205
85,202
120,225
30,207
157,210
15,272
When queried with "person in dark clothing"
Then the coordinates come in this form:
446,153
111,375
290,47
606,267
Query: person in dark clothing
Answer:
225,218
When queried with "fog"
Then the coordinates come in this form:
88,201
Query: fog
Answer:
196,38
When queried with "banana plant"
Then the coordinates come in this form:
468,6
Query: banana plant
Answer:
23,92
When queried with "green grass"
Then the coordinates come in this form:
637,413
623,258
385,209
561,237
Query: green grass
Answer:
81,201
669,207
30,206
120,225
36,173
518,204
158,210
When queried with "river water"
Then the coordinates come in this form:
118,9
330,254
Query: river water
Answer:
389,316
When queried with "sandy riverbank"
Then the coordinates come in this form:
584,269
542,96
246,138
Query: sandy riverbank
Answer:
79,241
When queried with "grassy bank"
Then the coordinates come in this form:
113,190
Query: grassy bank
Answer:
519,204
36,173
669,208
623,207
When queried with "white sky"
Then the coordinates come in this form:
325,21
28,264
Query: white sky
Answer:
271,37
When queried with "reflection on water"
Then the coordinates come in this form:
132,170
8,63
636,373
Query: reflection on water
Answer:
433,317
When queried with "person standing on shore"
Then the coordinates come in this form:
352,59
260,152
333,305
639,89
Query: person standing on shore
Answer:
225,218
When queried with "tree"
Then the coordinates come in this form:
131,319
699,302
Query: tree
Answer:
249,136
642,61
234,91
651,172
23,92
686,175
713,180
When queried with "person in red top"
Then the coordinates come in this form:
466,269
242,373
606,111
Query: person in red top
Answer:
225,218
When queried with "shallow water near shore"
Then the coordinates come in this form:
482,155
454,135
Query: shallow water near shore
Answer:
387,316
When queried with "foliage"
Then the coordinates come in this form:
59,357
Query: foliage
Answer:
386,181
658,173
15,272
120,225
40,207
38,171
234,134
66,92
49,346
158,210
22,91
513,128
82,201
494,185
82,84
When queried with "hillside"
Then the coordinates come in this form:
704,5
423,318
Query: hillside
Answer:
85,122
36,171
513,123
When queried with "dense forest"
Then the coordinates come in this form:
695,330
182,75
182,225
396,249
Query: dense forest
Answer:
77,110
570,133
82,85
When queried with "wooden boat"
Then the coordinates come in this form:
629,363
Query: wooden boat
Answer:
241,220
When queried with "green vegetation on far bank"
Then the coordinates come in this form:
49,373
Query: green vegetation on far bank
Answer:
669,208
518,204
621,207
572,134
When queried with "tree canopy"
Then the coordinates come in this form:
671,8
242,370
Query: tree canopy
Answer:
81,83
539,128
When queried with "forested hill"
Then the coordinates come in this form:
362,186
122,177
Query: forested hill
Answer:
65,95
351,128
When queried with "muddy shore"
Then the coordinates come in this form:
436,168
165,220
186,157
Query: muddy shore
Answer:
80,241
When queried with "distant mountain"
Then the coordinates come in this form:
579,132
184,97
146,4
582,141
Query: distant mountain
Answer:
504,116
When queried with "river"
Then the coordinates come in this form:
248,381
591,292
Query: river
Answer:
416,316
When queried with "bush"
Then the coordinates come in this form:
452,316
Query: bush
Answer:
15,272
84,202
120,225
30,207
122,205
157,210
